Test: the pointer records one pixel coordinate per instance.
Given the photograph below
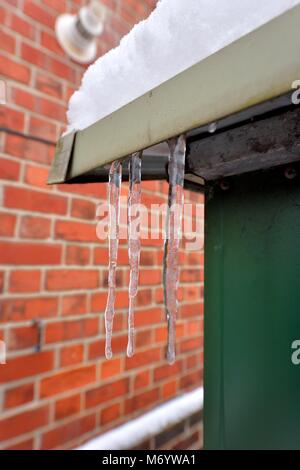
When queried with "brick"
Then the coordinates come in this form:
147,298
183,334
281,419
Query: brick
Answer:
166,371
119,343
190,344
99,302
39,13
148,258
35,227
168,435
36,176
110,368
26,199
152,242
93,190
59,68
9,169
21,26
128,15
152,186
148,317
122,300
96,349
16,309
156,199
28,444
143,358
7,42
28,149
29,253
192,310
144,297
196,258
48,85
42,128
101,256
192,361
64,381
69,92
83,209
50,42
37,57
67,407
161,334
150,277
141,401
14,70
119,26
110,414
143,339
75,231
192,379
68,279
19,395
23,98
57,5
191,293
51,109
191,275
78,255
71,355
11,119
189,442
142,380
104,393
195,327
7,224
68,432
23,337
196,418
36,363
69,330
169,389
23,422
74,305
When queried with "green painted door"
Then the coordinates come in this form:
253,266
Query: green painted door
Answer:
252,313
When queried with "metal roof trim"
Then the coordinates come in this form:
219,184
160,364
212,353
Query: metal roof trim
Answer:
258,67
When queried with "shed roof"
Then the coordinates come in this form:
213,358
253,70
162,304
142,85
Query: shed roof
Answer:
255,69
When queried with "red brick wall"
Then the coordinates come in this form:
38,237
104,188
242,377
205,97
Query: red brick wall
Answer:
53,269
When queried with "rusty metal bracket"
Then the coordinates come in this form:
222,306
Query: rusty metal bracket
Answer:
63,155
268,142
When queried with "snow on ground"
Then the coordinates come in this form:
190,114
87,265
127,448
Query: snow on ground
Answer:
178,34
150,424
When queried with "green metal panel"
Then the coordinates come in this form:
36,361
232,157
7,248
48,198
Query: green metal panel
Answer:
252,313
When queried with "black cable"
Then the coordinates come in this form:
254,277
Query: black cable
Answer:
27,136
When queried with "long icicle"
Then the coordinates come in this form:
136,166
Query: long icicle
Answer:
134,241
177,149
114,189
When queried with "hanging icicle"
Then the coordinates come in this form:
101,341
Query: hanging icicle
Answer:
173,234
114,189
134,241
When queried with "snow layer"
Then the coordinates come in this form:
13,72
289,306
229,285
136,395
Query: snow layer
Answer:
138,430
178,34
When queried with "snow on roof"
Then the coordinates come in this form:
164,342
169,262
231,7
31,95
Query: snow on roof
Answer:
178,34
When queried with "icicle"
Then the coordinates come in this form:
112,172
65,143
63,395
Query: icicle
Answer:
172,241
134,242
114,188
